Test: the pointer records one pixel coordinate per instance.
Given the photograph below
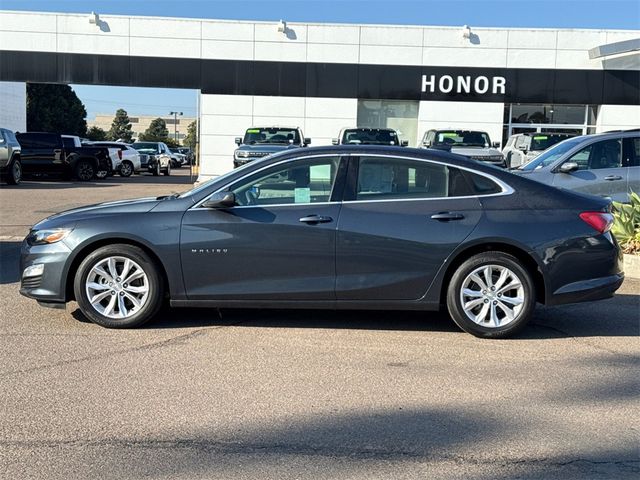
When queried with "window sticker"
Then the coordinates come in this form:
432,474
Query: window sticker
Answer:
253,130
540,137
302,195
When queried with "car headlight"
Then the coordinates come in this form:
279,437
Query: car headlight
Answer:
241,154
44,237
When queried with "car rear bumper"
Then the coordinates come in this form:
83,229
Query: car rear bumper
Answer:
587,290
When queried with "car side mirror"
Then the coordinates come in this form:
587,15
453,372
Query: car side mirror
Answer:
496,144
522,147
568,167
220,200
404,143
238,140
307,141
334,141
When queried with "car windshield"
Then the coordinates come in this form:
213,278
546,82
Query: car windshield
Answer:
276,136
370,136
462,138
552,154
146,147
544,141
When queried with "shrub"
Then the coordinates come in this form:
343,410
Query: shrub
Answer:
626,226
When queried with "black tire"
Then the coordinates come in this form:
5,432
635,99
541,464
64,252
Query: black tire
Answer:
167,171
499,260
84,170
126,169
154,297
156,170
14,172
508,159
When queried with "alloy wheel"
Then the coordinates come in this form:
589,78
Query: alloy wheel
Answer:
85,171
492,296
117,287
16,172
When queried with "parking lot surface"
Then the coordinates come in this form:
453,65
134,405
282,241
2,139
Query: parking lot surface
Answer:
305,394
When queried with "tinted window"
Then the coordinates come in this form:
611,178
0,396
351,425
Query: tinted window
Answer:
370,136
481,185
68,143
543,141
462,138
631,152
282,136
38,140
304,181
397,178
551,155
146,147
605,154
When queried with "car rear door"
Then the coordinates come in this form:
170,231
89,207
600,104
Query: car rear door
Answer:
599,171
399,222
631,163
278,243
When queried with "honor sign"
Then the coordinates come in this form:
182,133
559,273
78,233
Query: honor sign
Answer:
463,84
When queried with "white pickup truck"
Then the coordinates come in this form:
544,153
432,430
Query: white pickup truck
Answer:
72,142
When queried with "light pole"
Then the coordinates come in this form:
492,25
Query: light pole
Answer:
175,125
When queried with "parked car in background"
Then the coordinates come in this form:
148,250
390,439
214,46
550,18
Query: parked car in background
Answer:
473,144
178,159
73,143
259,142
524,147
159,158
188,154
369,136
10,166
47,154
352,226
605,164
130,163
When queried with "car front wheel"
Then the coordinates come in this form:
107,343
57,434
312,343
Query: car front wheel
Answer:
167,171
491,295
126,169
14,176
118,286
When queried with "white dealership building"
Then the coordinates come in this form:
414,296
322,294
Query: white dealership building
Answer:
323,77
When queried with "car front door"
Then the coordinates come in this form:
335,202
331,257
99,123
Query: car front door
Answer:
599,171
400,219
276,243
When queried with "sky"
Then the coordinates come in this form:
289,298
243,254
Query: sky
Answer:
609,14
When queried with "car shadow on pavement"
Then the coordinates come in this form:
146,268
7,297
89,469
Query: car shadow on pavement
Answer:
9,262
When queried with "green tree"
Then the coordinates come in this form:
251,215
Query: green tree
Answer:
192,136
157,131
55,108
96,134
121,127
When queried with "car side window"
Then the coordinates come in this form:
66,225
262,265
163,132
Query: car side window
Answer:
388,178
599,155
303,181
631,152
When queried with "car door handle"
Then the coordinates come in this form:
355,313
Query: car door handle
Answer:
313,219
447,216
613,177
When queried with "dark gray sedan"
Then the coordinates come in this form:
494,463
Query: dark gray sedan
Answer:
350,227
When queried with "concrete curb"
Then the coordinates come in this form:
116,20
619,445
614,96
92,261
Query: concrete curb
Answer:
632,266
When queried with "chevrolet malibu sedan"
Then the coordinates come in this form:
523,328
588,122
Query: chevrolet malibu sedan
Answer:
347,227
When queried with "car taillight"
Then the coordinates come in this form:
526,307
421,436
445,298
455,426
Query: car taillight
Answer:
600,221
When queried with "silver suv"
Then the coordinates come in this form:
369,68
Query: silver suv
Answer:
605,164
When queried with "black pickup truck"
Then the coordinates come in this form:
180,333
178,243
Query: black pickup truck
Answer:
46,154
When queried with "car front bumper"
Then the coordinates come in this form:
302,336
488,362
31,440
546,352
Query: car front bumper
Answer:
49,287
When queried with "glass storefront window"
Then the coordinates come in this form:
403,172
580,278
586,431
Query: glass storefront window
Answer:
558,114
401,115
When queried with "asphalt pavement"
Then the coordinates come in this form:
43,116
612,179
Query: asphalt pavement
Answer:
241,394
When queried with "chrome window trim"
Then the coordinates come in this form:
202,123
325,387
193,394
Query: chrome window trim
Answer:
506,189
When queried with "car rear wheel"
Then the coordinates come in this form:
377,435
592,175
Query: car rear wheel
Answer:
491,295
14,175
167,171
118,286
126,169
85,170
